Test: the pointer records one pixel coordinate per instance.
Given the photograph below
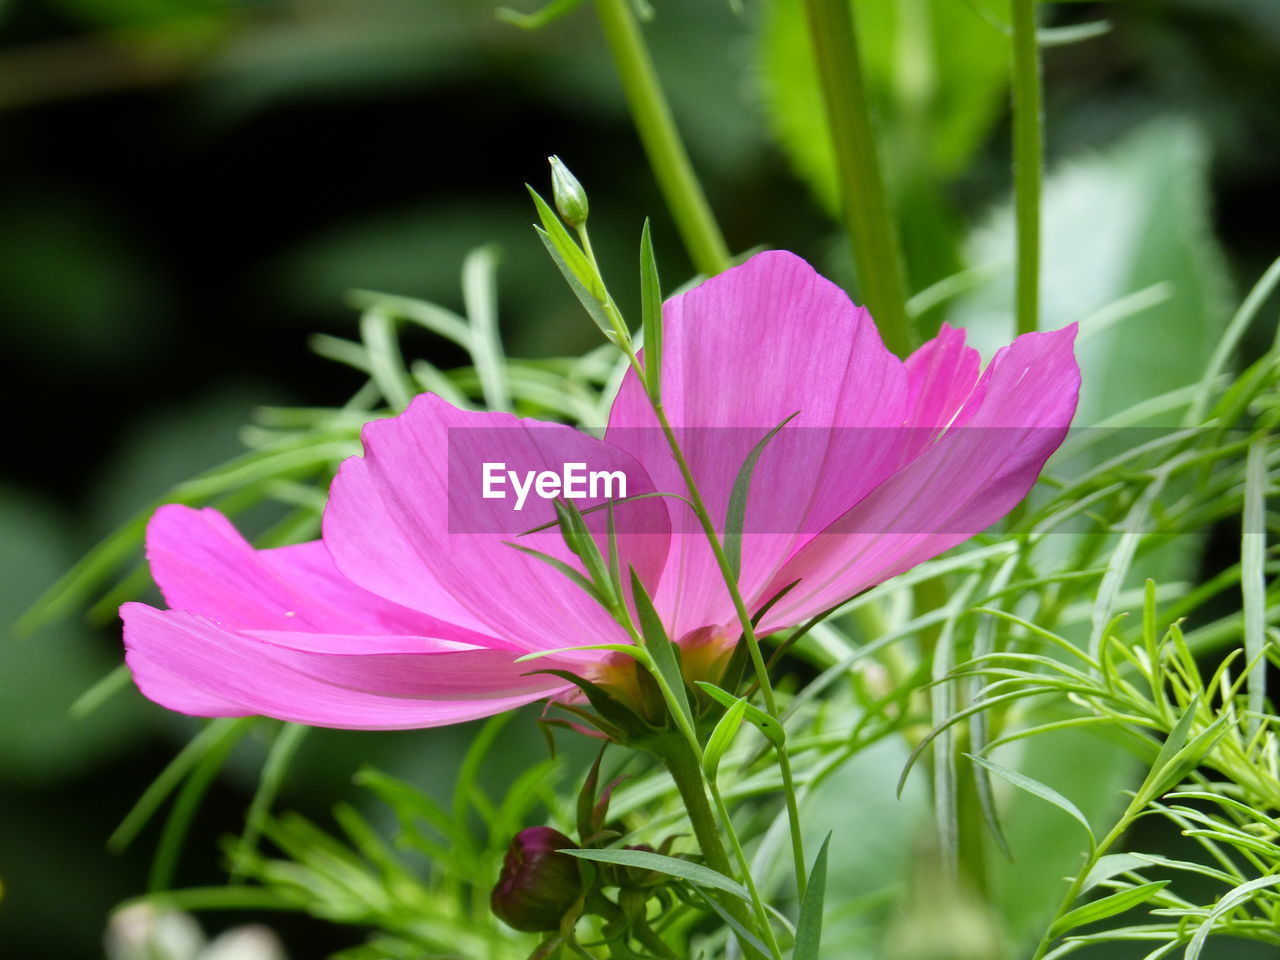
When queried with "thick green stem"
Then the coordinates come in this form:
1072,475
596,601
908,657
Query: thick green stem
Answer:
1028,160
661,140
877,255
679,758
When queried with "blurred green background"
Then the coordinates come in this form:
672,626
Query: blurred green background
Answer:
188,187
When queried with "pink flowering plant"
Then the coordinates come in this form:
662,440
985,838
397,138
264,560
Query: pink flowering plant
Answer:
789,587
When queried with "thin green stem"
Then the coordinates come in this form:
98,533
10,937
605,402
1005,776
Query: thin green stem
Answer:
661,139
762,916
1077,885
1028,161
864,201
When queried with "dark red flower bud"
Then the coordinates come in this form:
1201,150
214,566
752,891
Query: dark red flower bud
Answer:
538,885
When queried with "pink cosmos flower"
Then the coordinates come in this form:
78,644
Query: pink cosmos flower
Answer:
414,607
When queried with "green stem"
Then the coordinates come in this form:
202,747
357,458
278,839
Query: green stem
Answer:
749,637
681,761
1028,160
1077,885
661,140
877,255
692,790
762,916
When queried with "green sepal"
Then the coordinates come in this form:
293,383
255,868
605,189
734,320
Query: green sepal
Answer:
630,724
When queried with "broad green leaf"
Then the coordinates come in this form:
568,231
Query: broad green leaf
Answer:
1035,788
693,872
1107,906
809,928
1116,222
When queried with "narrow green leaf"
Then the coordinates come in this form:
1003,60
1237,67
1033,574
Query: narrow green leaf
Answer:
438,320
593,306
480,294
1135,524
286,744
564,568
809,927
210,736
757,717
751,944
386,365
187,804
1229,902
651,315
1184,761
1172,746
1075,33
664,653
102,691
1253,577
583,545
1036,788
671,866
627,648
1107,906
735,515
1230,339
613,711
549,13
1112,865
722,738
220,898
465,785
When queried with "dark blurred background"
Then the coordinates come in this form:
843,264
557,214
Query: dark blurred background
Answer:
187,189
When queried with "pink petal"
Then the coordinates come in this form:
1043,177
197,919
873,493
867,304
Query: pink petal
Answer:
204,566
941,375
743,352
407,521
975,474
192,665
